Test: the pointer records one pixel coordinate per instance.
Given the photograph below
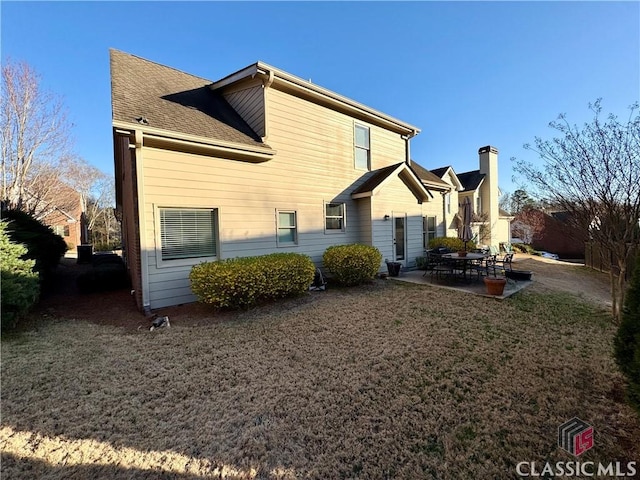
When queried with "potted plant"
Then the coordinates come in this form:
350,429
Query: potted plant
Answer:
495,285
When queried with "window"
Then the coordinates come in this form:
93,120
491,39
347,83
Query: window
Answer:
362,148
429,230
187,233
287,228
334,217
62,230
478,205
447,201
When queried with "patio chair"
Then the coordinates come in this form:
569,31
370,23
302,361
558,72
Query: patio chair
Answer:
439,265
485,267
505,262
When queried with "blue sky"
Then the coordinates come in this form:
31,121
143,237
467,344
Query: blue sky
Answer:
468,74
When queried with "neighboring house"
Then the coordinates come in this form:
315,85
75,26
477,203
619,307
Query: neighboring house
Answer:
258,162
59,208
550,231
491,224
65,224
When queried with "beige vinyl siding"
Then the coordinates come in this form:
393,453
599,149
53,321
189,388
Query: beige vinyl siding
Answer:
503,230
314,164
395,199
363,207
249,103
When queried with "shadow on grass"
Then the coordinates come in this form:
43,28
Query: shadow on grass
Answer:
19,467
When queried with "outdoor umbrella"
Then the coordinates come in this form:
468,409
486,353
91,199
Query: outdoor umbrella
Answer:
465,231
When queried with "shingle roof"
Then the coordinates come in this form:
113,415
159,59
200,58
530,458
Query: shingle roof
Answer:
439,172
427,176
376,178
471,180
173,100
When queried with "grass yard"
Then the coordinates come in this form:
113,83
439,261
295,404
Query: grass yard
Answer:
385,381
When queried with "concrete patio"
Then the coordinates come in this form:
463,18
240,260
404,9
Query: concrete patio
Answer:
475,286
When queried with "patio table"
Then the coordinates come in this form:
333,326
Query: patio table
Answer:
465,261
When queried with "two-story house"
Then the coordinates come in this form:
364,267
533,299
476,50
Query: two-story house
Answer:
258,162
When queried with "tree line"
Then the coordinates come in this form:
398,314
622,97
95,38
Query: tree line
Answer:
40,171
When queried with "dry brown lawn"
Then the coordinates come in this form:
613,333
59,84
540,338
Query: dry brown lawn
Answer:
384,381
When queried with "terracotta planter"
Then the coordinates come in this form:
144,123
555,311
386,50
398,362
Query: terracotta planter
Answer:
495,285
462,253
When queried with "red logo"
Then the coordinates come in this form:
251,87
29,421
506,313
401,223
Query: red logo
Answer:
575,436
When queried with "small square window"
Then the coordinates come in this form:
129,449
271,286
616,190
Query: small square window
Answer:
287,228
334,217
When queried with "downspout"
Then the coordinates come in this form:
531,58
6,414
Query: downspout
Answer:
142,222
444,212
266,83
407,147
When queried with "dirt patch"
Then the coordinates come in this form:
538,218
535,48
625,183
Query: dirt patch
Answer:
554,275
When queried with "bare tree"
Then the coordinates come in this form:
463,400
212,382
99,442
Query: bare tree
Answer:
504,203
35,135
88,181
593,172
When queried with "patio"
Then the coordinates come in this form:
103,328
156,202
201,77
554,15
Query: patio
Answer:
475,287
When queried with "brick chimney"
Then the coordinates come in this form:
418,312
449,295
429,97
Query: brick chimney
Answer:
489,192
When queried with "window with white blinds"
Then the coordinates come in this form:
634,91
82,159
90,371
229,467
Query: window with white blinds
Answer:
188,232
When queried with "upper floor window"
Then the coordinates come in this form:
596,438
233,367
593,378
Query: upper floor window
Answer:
187,233
287,228
447,201
334,217
478,205
362,147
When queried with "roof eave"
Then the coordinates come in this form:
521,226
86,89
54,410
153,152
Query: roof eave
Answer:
253,153
408,176
286,81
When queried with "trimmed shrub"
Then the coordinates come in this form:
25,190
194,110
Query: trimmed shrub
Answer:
352,264
19,283
627,340
243,282
452,243
43,246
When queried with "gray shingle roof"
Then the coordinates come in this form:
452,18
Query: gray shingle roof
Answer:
173,100
440,171
427,176
471,180
376,178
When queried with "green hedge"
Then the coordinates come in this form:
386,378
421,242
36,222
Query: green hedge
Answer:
627,340
43,246
352,264
19,283
452,243
242,282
